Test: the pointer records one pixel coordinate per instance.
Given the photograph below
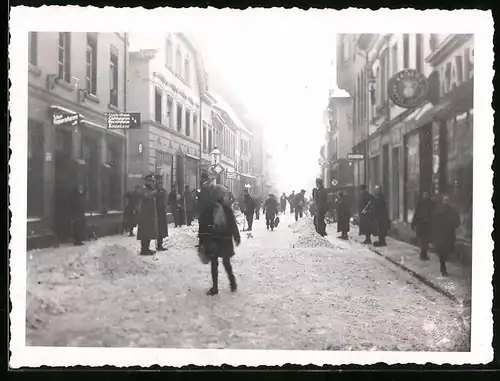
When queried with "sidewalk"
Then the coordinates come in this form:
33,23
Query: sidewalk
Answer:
457,286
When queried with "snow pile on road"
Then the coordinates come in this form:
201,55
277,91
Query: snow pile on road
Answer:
303,225
312,240
116,261
38,306
181,238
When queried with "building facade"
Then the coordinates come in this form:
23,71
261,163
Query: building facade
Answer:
74,80
168,87
412,150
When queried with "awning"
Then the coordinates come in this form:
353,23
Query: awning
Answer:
247,176
425,114
63,109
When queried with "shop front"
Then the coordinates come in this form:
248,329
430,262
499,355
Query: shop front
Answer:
65,149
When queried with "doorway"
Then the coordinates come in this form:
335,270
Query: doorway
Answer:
425,153
62,182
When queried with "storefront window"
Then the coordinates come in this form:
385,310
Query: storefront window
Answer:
459,169
115,194
412,177
91,176
36,158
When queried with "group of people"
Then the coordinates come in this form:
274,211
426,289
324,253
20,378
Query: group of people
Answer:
251,207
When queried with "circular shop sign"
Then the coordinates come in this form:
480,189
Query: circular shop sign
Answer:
408,88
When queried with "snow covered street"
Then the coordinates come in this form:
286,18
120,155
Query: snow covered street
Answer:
295,291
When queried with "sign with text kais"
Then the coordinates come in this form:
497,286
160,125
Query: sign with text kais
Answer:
124,120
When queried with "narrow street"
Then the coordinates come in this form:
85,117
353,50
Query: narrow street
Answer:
296,291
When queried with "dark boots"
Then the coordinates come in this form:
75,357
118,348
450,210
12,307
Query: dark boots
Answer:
145,248
214,264
159,244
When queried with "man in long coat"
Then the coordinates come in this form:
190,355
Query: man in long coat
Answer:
445,221
343,215
271,210
366,215
283,203
382,217
161,213
299,203
291,200
320,199
189,204
172,202
421,223
147,215
249,205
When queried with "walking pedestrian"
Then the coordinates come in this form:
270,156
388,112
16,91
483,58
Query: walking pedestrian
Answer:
130,211
258,205
205,195
343,215
445,220
271,210
189,205
291,200
217,230
421,223
383,222
366,215
320,199
249,205
283,203
147,229
299,202
172,202
161,213
77,213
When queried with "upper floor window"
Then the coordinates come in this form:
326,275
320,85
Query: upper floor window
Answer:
33,48
195,125
419,53
394,58
204,138
158,105
170,111
188,122
91,64
64,57
383,77
433,41
169,52
178,62
406,51
187,71
113,77
179,117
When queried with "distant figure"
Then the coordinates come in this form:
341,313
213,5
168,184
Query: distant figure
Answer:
422,224
258,205
130,211
445,221
283,203
217,230
291,200
161,213
271,210
147,229
299,202
366,215
320,199
343,215
189,204
77,213
383,222
172,202
249,206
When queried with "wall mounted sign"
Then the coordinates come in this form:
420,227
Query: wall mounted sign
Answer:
355,156
48,156
140,148
408,88
59,118
124,120
456,70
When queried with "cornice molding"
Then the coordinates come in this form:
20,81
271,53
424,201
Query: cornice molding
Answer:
447,47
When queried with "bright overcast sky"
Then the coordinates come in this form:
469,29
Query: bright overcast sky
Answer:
283,75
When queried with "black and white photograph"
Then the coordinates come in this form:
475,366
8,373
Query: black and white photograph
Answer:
254,187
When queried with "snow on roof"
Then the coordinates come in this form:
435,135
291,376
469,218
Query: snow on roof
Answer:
223,105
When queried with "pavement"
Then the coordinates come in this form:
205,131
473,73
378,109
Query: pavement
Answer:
457,286
296,290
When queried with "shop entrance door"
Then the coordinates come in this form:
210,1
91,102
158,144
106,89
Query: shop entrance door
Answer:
62,184
425,153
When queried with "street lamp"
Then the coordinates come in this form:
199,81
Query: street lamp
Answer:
216,167
215,155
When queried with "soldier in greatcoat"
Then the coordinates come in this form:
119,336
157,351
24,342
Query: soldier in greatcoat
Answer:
366,215
147,215
343,215
421,223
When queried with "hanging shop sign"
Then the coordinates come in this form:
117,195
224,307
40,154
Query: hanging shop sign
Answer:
355,156
436,130
61,118
124,120
408,88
